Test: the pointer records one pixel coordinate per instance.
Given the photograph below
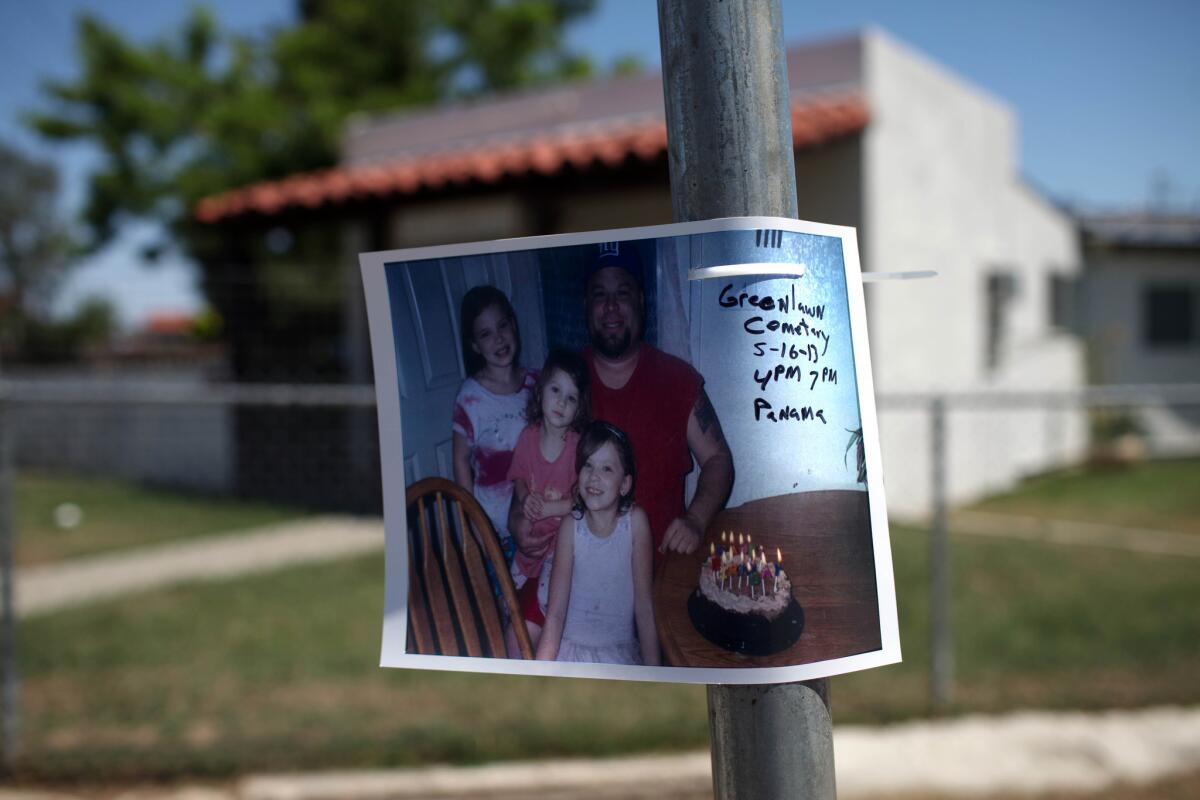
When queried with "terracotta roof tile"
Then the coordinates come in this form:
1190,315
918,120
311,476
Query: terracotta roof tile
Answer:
814,120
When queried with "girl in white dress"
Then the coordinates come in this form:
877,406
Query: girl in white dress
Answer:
601,609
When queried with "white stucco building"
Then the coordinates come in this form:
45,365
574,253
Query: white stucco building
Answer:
941,189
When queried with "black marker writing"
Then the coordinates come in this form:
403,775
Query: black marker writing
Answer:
788,352
730,299
764,410
787,361
756,327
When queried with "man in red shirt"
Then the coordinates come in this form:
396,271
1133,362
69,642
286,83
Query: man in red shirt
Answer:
658,400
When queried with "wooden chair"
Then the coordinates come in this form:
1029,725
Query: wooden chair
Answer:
452,607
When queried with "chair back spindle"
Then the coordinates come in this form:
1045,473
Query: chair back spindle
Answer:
452,592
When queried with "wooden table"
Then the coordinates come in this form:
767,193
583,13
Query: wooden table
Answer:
827,553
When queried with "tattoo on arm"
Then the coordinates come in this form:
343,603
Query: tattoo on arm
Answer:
706,417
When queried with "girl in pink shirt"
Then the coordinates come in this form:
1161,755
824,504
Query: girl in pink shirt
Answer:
543,476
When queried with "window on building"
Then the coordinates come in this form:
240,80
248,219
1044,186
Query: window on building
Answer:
1063,302
1168,316
1001,290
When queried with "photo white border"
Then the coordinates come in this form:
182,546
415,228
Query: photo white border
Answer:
391,448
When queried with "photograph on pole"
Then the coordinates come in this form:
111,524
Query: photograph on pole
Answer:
647,453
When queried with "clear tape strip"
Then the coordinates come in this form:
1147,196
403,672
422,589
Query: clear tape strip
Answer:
797,270
877,277
762,268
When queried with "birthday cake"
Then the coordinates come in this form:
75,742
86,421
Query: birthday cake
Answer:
743,602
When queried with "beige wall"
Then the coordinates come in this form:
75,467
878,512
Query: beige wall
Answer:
451,221
829,183
620,208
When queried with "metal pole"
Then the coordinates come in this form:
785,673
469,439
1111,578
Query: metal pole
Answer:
729,136
9,689
941,675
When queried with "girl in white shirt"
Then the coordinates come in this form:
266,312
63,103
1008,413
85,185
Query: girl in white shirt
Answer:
601,609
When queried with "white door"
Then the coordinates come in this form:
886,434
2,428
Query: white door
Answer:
425,298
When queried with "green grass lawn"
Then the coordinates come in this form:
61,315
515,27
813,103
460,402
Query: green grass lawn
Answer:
277,672
118,515
1155,494
1040,626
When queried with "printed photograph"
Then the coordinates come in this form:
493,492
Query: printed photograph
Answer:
638,454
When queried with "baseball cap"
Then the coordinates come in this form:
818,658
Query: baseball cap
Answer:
616,254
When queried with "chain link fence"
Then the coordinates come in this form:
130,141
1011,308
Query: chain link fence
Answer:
316,447
1101,427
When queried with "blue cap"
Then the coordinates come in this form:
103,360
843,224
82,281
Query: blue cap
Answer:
616,254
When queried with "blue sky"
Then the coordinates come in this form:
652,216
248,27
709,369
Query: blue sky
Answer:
1104,92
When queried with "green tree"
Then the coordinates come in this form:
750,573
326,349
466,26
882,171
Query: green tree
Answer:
202,110
34,245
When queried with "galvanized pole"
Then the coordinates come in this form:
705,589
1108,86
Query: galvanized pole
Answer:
729,137
941,676
10,694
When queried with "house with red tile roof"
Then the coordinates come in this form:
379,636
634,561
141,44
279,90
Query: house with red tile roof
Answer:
922,163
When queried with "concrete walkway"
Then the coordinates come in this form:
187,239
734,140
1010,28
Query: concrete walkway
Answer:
40,590
1026,753
1020,753
1092,534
